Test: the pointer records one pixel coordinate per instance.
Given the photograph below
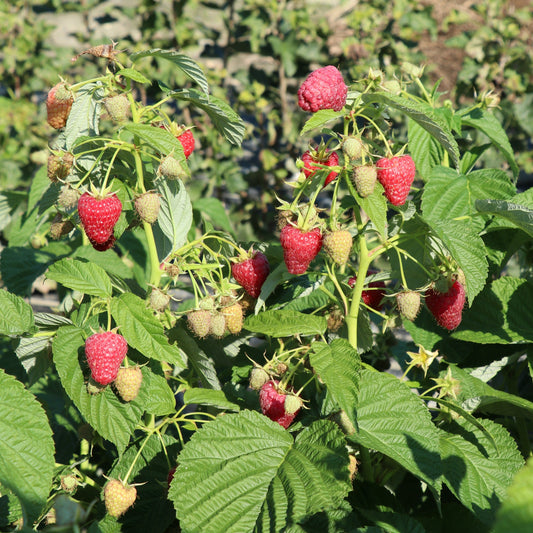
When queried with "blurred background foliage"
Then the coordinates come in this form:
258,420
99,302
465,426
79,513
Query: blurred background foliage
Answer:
255,54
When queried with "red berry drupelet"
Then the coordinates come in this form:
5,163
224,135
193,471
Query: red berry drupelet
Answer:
299,247
324,88
105,352
272,403
187,141
98,217
447,307
396,174
311,162
251,273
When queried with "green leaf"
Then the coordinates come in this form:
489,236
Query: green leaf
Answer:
320,118
159,139
285,323
424,149
84,115
215,398
214,209
152,512
243,471
189,67
473,471
375,206
155,395
476,395
225,120
132,74
16,316
488,124
516,513
499,314
143,331
449,195
519,215
26,447
203,364
81,276
338,365
113,419
394,421
468,249
174,219
424,115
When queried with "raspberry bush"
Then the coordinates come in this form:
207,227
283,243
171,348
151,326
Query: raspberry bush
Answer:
290,339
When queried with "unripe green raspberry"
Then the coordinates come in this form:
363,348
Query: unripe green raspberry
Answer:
408,303
118,497
147,206
128,382
171,169
218,325
352,148
117,107
292,403
364,179
68,198
159,300
199,321
258,377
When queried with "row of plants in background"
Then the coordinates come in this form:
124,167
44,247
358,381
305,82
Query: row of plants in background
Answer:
259,401
258,50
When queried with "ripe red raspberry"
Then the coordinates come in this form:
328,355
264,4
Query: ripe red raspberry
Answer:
310,160
128,382
105,353
187,141
299,247
118,497
324,88
338,245
447,307
396,174
58,105
272,402
99,216
374,295
251,273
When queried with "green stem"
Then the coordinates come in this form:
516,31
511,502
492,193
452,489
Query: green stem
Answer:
353,314
366,464
155,271
137,455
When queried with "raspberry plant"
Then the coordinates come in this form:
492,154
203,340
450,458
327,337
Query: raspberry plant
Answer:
359,448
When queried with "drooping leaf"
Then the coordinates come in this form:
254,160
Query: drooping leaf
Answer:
476,395
285,323
394,421
320,118
518,215
159,139
338,365
16,316
467,248
197,358
143,331
215,398
175,217
113,419
243,471
425,150
516,513
475,473
84,115
132,74
26,447
424,115
488,124
187,65
225,120
81,276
